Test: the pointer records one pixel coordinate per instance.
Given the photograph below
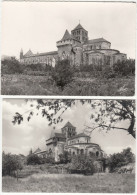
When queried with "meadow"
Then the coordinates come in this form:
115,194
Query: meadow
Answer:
72,183
21,84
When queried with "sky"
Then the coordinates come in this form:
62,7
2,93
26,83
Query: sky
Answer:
19,139
39,25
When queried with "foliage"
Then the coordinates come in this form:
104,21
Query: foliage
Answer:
120,159
65,157
10,163
37,67
49,160
11,66
105,113
62,73
126,67
81,164
108,72
84,84
33,159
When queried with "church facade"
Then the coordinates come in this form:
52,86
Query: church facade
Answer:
69,140
79,49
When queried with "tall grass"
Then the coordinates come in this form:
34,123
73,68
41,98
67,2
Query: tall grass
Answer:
104,183
81,86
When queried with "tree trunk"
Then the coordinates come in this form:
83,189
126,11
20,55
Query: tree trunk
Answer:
131,127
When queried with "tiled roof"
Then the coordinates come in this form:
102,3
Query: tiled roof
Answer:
78,27
47,53
68,124
60,135
94,52
42,54
97,40
37,150
29,53
66,36
55,134
79,135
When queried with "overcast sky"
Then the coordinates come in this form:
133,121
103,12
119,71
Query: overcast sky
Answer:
21,138
38,25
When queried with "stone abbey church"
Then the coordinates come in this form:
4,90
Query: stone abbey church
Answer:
79,49
69,140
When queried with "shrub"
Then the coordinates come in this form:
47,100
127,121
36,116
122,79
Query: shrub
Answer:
33,159
124,68
49,160
65,157
62,74
37,67
108,72
81,164
10,164
120,159
11,66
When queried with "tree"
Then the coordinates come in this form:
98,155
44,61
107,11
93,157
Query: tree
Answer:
11,66
33,159
62,73
105,113
121,159
10,164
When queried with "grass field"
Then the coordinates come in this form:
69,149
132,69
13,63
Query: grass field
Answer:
91,86
102,183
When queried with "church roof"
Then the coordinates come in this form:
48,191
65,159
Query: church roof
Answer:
78,27
57,135
37,150
60,135
79,135
97,40
68,124
66,36
29,53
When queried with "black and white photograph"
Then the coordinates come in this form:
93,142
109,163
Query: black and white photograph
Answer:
68,48
68,145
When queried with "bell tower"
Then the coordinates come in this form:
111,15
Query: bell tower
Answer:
80,33
69,130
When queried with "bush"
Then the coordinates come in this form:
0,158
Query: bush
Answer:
81,164
10,164
108,72
11,66
121,159
90,68
62,74
125,68
65,157
49,160
37,67
33,159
